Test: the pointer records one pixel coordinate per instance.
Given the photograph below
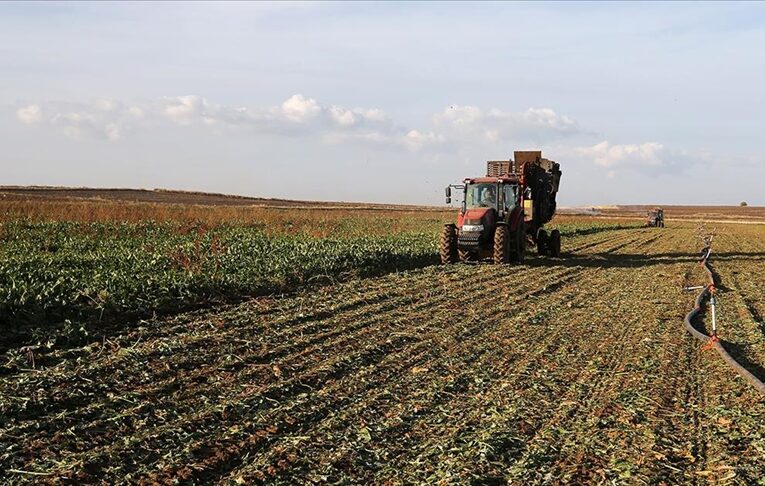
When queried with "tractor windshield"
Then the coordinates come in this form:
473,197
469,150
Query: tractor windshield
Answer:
481,195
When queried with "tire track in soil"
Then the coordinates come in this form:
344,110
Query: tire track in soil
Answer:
573,380
442,395
594,402
576,400
589,242
608,406
148,349
600,386
430,400
617,238
202,357
748,302
644,237
163,329
294,391
372,383
525,364
172,400
693,399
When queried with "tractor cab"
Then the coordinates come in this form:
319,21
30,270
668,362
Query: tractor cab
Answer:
498,194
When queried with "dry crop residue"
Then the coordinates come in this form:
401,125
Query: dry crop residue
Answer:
567,370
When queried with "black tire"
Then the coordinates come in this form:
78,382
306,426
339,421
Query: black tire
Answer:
448,245
501,245
519,244
543,242
555,243
467,255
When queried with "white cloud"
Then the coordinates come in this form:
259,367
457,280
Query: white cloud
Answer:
300,109
104,119
184,109
30,115
374,114
649,154
460,116
415,140
297,116
545,117
495,125
342,116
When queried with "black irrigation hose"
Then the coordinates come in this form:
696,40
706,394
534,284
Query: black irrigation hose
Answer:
713,341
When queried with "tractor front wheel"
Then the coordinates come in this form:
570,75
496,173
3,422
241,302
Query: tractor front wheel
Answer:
468,256
555,243
501,245
448,245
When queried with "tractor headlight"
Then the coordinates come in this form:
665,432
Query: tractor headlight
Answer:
472,228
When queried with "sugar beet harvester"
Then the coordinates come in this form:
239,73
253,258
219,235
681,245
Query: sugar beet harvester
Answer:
505,211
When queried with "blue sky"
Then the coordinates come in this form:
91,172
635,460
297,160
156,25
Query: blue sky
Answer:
387,102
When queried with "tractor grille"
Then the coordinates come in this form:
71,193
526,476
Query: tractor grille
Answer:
468,241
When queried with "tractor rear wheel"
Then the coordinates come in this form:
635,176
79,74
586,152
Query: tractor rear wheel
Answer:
501,245
543,242
448,245
555,243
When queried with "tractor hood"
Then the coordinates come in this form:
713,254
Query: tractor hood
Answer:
474,216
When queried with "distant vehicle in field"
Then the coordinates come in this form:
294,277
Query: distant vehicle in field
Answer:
655,218
504,211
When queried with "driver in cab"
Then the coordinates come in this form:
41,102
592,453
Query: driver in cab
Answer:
489,197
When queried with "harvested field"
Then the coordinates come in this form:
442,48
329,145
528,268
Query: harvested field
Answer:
562,370
167,196
739,214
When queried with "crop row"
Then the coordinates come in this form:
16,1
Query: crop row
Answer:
53,272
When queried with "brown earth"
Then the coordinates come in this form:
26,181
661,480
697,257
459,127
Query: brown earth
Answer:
167,196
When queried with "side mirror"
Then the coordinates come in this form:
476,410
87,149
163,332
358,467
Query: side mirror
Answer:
448,192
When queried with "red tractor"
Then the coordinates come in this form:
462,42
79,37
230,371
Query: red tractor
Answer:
505,211
655,218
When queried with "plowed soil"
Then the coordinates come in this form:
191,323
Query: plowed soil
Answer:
575,369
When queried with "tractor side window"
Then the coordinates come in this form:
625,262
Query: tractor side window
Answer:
471,196
508,193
